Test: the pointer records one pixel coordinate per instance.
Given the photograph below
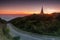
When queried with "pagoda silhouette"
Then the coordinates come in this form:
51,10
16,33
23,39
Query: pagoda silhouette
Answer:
42,11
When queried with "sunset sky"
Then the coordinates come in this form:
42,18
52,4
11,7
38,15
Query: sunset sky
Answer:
28,6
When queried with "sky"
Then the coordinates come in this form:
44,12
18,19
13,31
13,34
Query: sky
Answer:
28,6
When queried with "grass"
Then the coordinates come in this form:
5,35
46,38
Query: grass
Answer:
2,36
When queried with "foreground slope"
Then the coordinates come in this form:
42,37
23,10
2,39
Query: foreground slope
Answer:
41,24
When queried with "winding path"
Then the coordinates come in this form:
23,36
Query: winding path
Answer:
27,36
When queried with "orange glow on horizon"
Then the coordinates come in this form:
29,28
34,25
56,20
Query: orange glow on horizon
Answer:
47,11
14,12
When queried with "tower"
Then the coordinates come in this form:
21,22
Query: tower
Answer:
42,12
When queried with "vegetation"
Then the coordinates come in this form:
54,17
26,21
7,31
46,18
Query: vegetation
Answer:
2,21
16,38
6,33
3,30
41,24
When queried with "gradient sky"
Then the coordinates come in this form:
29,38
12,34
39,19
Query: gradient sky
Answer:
28,6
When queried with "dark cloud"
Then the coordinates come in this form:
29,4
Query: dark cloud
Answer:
4,2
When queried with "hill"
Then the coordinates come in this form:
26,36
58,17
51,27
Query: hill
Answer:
42,24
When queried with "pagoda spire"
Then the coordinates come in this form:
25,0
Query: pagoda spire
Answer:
42,11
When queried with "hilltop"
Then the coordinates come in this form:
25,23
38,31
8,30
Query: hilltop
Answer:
47,24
